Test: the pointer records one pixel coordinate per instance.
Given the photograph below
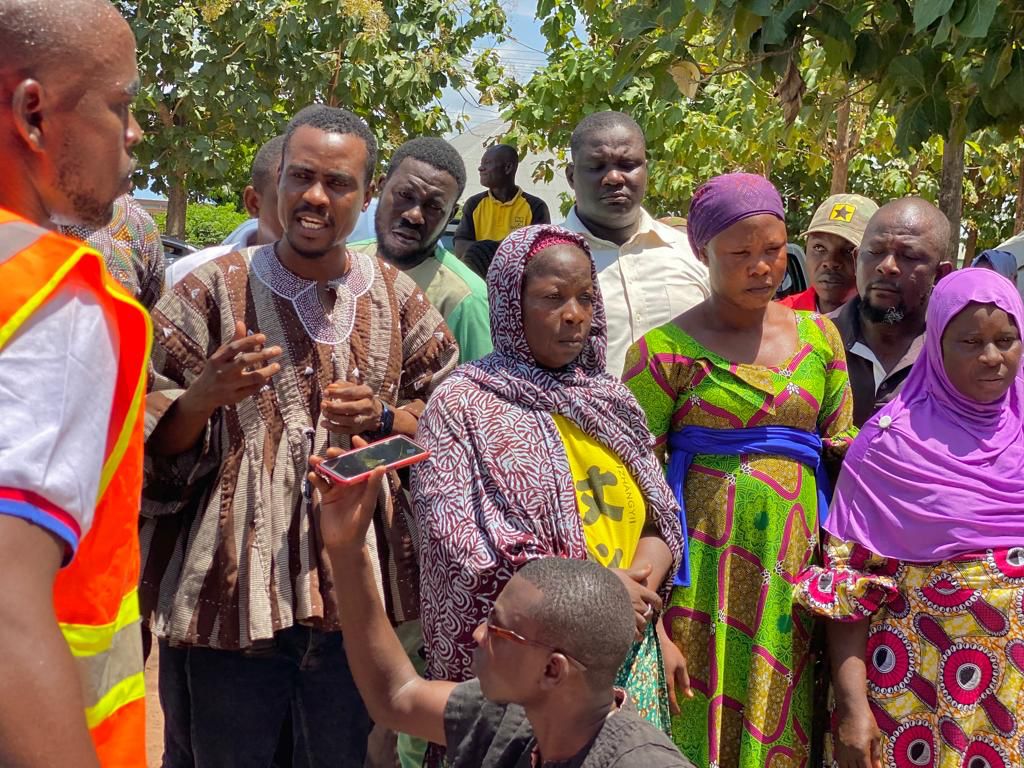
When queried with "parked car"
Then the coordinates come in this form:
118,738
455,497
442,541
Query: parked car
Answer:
174,248
796,279
448,238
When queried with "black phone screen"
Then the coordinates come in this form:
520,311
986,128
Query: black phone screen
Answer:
363,460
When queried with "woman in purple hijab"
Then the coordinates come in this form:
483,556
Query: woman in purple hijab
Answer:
924,575
741,393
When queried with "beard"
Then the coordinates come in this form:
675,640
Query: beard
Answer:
87,211
303,251
887,315
405,256
87,206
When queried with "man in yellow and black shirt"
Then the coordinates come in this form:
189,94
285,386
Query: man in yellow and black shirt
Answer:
504,207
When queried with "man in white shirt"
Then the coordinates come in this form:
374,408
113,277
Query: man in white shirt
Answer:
260,199
647,272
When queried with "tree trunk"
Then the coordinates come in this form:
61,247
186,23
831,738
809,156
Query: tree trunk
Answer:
841,160
951,188
1018,217
177,202
971,246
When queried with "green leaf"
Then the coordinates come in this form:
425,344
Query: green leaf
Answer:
978,18
746,23
777,26
1003,65
832,23
943,32
927,11
838,53
869,57
635,21
672,16
760,7
906,73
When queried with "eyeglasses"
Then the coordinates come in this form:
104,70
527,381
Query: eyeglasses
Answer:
515,637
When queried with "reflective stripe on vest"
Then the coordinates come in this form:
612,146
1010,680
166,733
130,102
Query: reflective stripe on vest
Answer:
96,595
107,658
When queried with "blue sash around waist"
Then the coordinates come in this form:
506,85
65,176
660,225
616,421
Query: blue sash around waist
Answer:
684,445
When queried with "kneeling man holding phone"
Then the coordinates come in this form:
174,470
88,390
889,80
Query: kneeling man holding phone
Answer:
545,661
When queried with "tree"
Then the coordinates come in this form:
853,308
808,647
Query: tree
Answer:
766,85
221,77
700,118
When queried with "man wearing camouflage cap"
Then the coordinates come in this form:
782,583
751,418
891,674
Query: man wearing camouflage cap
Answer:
836,230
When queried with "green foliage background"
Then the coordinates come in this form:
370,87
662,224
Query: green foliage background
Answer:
717,85
220,77
207,224
756,85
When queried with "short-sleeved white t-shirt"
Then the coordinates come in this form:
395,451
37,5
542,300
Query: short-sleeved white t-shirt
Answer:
57,379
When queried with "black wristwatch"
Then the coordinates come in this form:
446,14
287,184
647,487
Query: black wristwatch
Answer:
387,423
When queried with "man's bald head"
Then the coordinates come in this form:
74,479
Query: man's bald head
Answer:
503,153
68,77
38,37
598,123
902,254
498,167
913,216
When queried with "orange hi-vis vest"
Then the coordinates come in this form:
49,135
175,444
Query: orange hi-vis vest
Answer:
95,596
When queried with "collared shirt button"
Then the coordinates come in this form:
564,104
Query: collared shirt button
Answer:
885,422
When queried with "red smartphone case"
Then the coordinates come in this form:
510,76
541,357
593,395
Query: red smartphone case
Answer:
326,473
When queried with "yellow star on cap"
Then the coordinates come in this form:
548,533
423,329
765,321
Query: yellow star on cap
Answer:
842,212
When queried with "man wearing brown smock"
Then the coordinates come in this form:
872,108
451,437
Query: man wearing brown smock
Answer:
263,357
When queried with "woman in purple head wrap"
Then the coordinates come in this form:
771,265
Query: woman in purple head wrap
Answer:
740,393
924,574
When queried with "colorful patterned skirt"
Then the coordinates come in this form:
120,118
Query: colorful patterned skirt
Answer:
945,652
747,645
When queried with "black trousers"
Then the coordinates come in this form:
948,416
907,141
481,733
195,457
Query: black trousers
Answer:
227,708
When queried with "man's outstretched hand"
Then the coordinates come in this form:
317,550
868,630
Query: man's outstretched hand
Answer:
394,694
345,510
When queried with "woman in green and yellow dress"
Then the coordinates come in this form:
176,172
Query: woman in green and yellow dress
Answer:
741,393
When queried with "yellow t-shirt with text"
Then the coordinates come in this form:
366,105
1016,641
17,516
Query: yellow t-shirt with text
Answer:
610,502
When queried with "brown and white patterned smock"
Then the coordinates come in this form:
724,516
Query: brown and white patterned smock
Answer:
231,549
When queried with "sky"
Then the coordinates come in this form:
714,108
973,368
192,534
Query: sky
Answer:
521,55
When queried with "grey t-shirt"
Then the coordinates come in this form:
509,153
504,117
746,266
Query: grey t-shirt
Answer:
482,734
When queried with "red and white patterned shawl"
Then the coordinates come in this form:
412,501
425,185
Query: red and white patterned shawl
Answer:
497,491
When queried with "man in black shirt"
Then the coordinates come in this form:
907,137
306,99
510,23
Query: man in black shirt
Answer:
546,660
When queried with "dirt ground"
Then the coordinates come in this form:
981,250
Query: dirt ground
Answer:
154,717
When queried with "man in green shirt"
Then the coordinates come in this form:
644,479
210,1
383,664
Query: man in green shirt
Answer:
417,196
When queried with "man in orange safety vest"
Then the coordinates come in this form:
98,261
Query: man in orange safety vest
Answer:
73,354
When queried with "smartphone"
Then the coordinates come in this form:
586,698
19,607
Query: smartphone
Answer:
393,453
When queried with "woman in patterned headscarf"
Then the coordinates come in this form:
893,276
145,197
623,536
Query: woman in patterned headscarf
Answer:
538,452
741,393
